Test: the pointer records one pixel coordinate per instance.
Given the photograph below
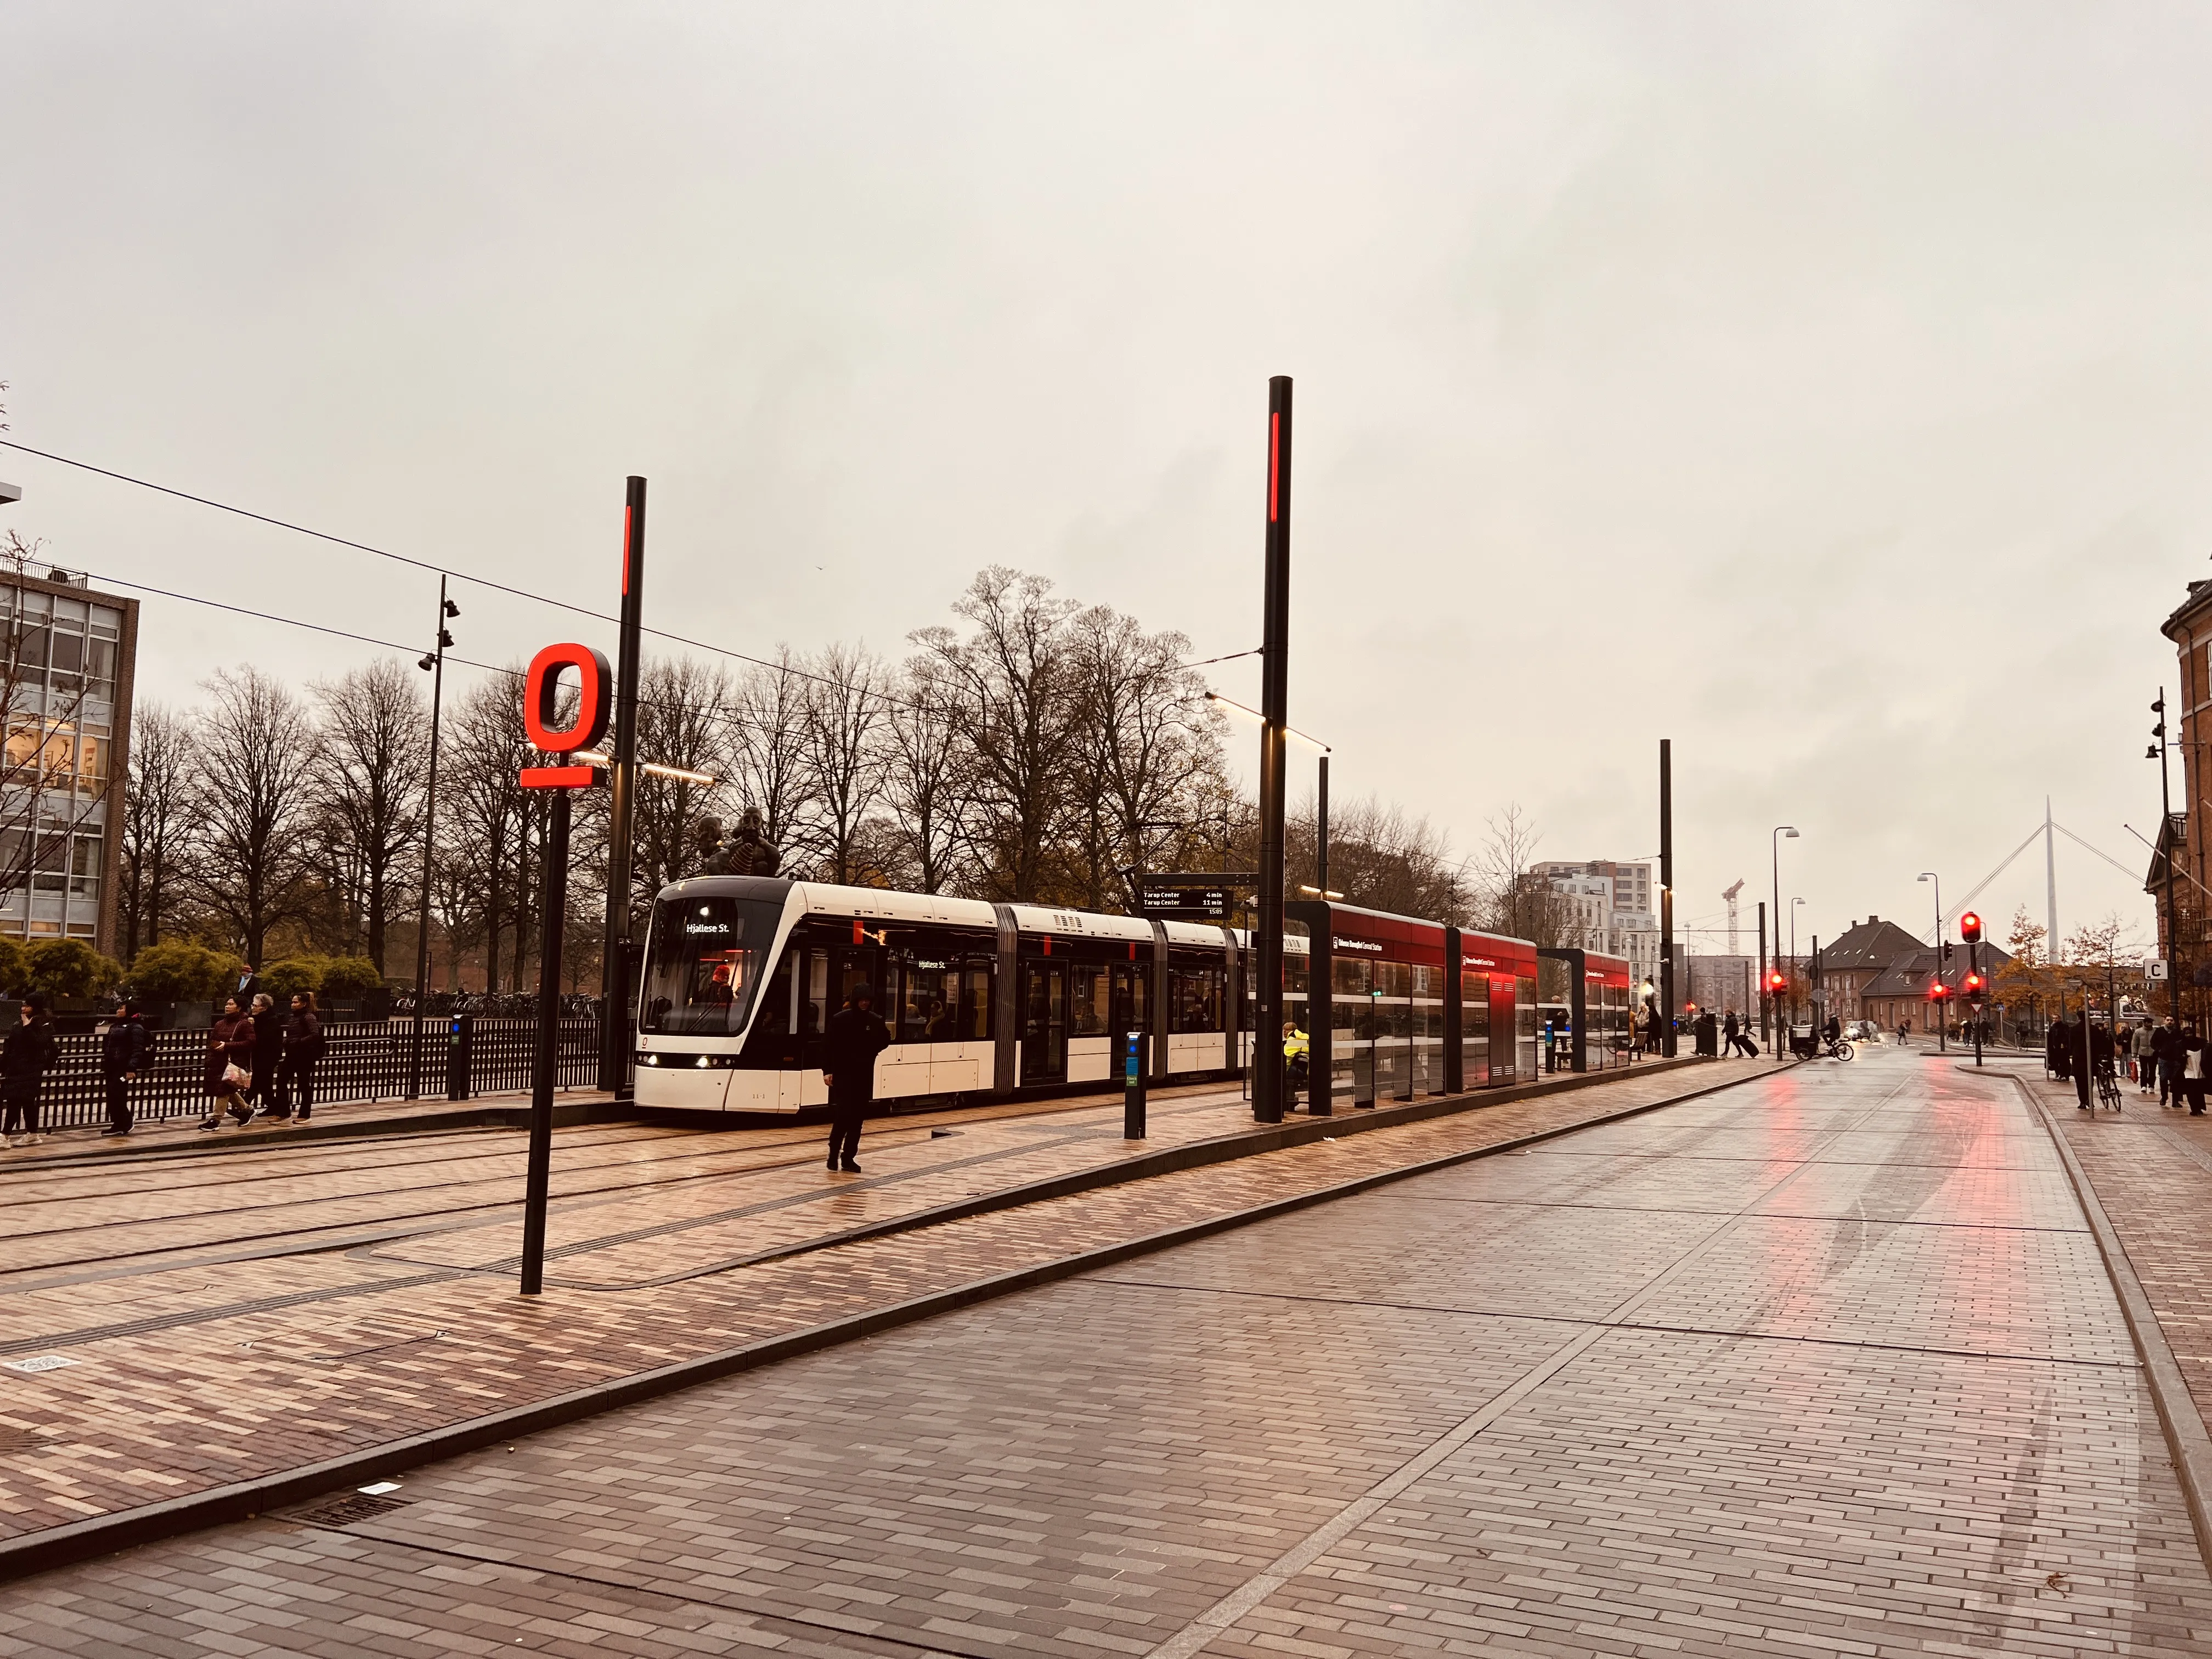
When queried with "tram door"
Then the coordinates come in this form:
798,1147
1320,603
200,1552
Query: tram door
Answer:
1133,982
1044,1022
835,974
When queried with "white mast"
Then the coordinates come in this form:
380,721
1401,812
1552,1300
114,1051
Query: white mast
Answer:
2051,887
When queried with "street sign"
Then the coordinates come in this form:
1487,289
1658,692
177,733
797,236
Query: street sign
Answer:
1203,896
2157,971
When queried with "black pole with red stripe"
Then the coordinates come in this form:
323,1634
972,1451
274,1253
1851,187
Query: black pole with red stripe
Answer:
1267,1077
616,973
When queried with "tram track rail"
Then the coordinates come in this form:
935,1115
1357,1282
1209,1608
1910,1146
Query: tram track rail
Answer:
357,1234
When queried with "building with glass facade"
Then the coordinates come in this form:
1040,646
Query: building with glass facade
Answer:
66,690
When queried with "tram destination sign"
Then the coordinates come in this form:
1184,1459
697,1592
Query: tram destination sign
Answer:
1206,896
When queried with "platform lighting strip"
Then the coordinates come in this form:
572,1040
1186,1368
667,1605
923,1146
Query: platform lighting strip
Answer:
592,757
1215,696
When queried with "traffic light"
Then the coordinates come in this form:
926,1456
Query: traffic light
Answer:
1946,950
1938,991
1970,927
1776,982
1973,985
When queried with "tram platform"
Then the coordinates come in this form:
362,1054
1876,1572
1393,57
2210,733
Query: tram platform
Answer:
194,1337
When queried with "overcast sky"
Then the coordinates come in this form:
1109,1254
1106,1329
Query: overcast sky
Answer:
1824,388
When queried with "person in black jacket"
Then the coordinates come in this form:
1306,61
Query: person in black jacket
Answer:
125,1046
856,1036
268,1053
29,1050
303,1047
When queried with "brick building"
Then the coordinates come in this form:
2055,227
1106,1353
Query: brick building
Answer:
2188,704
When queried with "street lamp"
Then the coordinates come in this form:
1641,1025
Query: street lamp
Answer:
1774,847
1941,1023
433,664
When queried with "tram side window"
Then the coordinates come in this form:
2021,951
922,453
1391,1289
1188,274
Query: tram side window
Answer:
928,1001
1194,998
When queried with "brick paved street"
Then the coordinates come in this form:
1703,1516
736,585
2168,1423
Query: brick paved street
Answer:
230,1314
1824,1364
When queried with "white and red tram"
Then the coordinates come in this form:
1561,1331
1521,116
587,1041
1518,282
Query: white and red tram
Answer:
741,974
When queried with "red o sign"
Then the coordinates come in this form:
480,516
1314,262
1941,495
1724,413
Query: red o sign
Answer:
541,708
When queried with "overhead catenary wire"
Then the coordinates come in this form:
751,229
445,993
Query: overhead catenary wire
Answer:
467,576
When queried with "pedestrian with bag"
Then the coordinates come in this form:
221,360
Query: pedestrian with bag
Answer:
1728,1030
856,1036
229,1070
26,1055
2190,1066
125,1047
268,1054
303,1047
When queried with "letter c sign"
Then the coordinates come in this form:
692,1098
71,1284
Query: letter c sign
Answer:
541,708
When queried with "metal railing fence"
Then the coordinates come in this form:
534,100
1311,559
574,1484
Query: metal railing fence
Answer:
362,1060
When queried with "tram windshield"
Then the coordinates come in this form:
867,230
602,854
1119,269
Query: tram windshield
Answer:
707,957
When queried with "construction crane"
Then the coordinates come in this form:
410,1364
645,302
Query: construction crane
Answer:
1730,896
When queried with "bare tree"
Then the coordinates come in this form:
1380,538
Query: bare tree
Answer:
769,755
1019,688
686,715
375,752
923,783
257,758
1151,751
846,717
1513,900
159,829
480,810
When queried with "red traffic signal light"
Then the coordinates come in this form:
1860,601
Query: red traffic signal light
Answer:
1973,985
1970,927
1938,991
1776,982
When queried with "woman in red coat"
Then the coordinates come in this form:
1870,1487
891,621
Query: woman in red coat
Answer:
230,1043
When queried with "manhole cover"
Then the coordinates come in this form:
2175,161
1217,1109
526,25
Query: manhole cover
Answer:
347,1511
25,1440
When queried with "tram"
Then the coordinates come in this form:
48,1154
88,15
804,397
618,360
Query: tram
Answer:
741,974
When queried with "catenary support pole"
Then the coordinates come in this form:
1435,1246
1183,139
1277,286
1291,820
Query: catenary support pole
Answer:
1667,897
1766,1001
1275,713
2165,840
545,1066
429,849
617,975
1321,830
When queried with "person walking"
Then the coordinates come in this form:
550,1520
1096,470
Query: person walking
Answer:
268,1054
2058,1050
1728,1031
2163,1043
856,1036
28,1050
229,1065
2189,1056
125,1046
303,1047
